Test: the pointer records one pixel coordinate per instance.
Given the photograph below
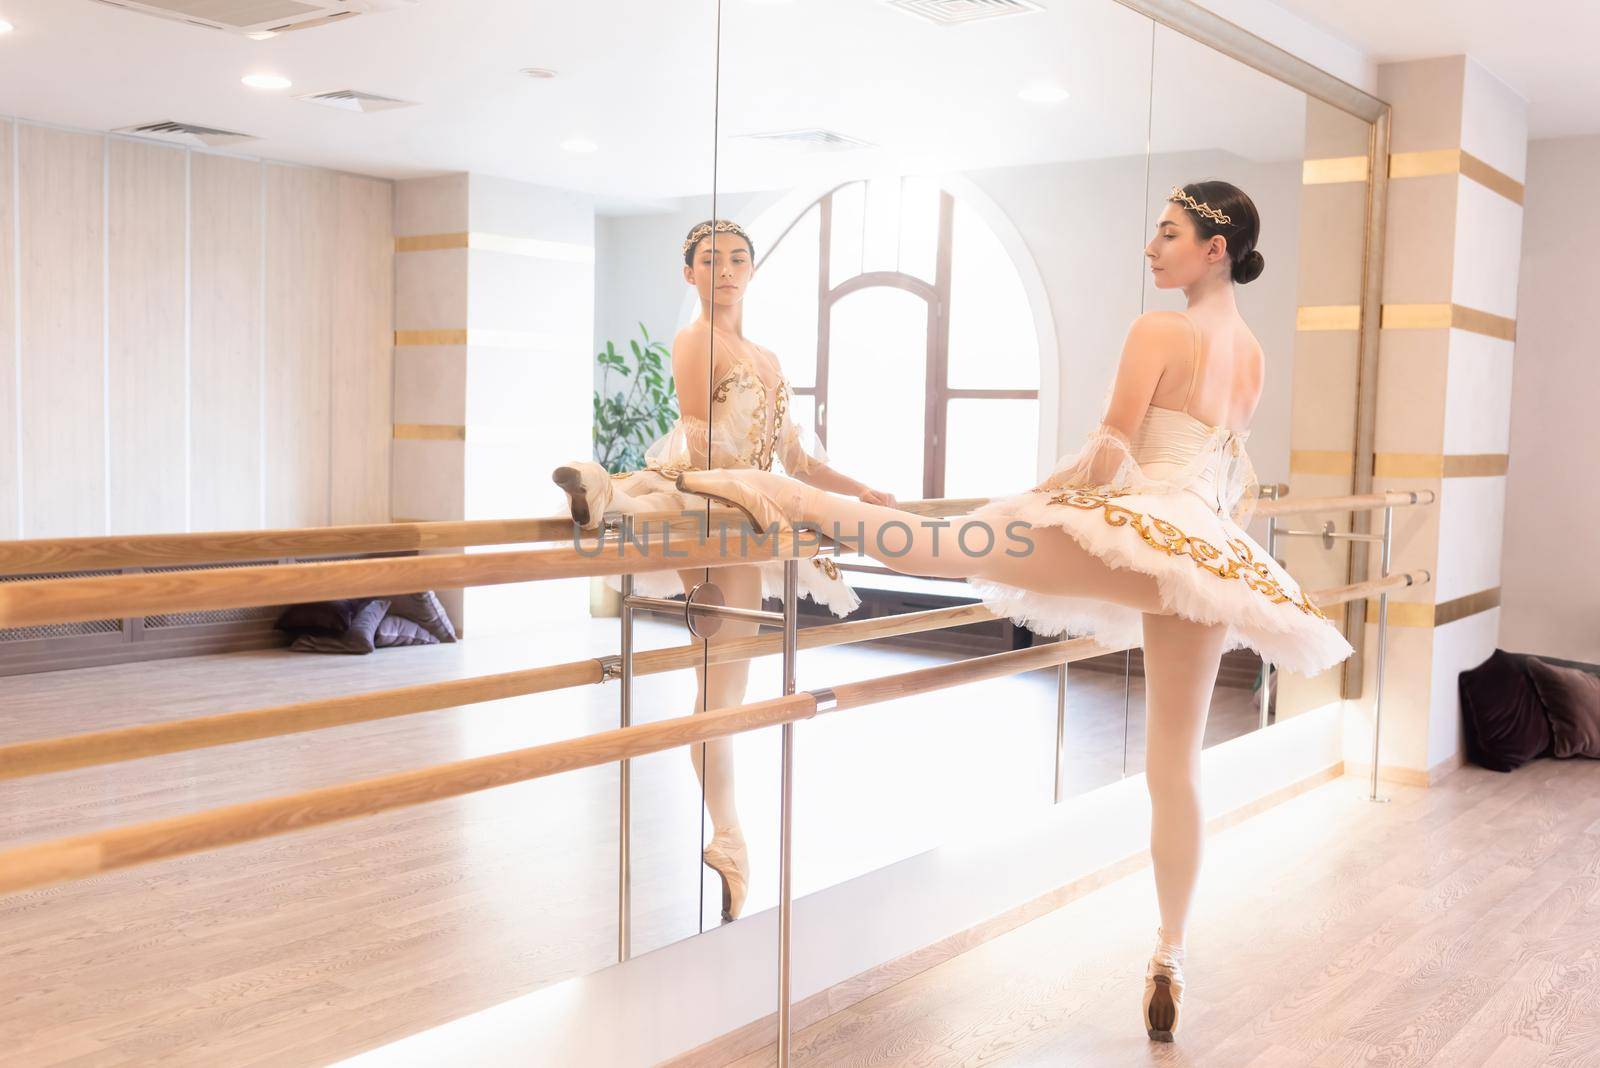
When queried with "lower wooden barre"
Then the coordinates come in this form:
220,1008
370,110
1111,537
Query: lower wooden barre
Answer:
1360,502
41,602
976,669
98,852
1362,590
40,756
102,851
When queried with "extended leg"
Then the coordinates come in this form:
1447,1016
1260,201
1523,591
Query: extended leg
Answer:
1042,559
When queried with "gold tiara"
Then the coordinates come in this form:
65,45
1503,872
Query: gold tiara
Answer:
721,226
1179,196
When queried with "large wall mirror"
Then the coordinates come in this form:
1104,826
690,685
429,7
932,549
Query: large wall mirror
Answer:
944,208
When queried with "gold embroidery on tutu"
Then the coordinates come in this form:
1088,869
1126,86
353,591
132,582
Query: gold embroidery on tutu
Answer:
1165,537
827,566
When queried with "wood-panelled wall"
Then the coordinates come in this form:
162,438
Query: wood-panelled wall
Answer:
189,341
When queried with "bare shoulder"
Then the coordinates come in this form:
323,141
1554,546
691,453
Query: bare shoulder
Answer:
1162,328
696,334
691,348
1157,339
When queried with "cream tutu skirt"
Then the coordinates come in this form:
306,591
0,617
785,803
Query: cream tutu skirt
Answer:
1206,567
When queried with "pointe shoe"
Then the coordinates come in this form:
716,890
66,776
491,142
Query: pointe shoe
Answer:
1163,992
728,857
588,489
736,487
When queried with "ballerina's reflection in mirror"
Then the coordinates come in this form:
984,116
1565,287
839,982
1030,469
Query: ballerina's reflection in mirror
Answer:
735,412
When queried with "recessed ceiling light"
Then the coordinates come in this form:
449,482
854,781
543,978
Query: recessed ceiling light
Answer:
262,35
266,81
540,73
6,27
1044,94
579,145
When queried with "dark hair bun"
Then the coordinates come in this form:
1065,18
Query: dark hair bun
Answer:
1249,268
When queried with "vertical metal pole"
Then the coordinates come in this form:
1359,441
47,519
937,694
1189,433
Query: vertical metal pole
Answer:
1061,728
625,776
1383,644
791,595
1266,668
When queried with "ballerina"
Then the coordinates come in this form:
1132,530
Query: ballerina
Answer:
1138,536
741,421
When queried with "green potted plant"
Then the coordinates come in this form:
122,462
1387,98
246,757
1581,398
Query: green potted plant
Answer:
630,411
629,415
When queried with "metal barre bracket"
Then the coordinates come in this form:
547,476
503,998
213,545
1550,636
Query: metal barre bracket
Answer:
1329,535
825,698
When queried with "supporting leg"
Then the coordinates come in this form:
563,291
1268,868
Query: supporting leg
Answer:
1180,666
722,686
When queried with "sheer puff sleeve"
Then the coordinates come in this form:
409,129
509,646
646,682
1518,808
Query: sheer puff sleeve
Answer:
687,446
798,448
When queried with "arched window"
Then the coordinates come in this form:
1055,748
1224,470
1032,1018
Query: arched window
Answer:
904,328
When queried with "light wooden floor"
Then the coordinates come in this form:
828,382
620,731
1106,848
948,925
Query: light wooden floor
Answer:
314,946
1454,927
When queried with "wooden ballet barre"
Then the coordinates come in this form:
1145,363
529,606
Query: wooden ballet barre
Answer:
1361,502
1361,590
115,552
94,748
39,602
40,756
98,852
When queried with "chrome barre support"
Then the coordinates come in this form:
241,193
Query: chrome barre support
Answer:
791,619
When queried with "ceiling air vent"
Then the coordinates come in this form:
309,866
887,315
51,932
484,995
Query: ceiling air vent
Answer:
259,17
355,100
813,138
952,12
184,133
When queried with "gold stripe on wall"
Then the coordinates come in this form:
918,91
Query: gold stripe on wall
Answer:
430,242
1446,316
1320,462
1455,161
429,432
1491,179
1482,322
1403,613
1462,607
1328,317
491,339
1416,317
1333,170
1476,465
1407,465
1434,465
1419,614
1425,164
430,337
532,247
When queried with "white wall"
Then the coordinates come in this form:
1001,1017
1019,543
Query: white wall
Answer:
188,340
1550,574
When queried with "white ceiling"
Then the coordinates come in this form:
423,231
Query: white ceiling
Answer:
641,79
1545,50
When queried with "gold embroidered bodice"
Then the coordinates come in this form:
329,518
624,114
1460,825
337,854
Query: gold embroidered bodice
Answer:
750,426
